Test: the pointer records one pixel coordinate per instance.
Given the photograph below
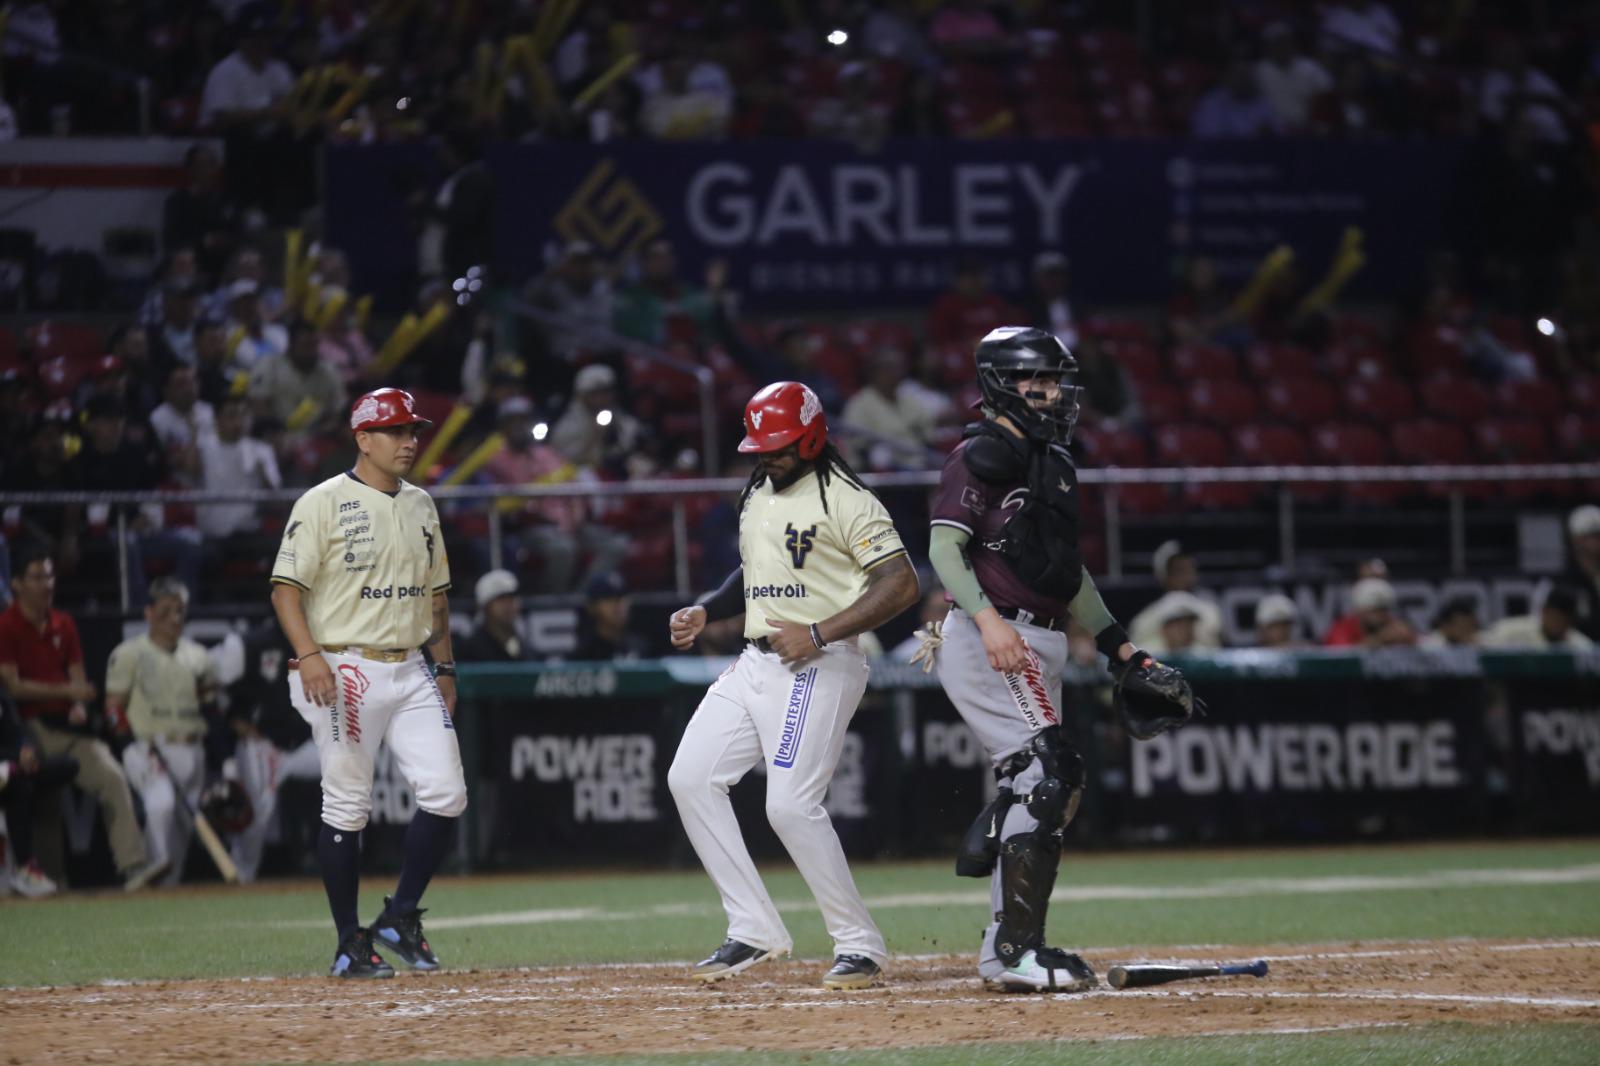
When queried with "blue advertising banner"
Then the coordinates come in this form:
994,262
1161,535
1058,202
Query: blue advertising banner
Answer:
813,225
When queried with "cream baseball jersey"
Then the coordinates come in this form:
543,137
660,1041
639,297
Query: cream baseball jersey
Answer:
163,687
803,563
368,562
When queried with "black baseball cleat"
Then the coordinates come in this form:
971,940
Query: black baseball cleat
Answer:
732,957
357,959
402,934
852,971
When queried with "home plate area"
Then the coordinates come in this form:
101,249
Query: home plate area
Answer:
928,1000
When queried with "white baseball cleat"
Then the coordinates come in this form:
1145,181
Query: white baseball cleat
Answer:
32,882
1057,971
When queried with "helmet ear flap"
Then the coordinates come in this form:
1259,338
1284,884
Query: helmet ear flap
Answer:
809,446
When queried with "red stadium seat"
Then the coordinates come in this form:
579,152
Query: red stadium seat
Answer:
1305,401
1512,440
1161,403
1426,440
1269,445
1119,329
1354,444
1583,394
1055,116
1140,359
1530,399
871,334
1437,350
1454,397
60,376
1379,399
1357,359
1578,437
974,83
1113,446
1268,361
1190,444
48,340
1204,361
1223,402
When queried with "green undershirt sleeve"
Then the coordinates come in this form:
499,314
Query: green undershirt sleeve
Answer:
947,551
1088,608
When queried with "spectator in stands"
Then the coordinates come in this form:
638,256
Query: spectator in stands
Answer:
216,374
661,306
794,358
26,778
556,531
200,216
344,347
231,459
851,114
1455,626
130,344
1178,572
173,334
1372,622
603,631
244,101
1048,305
968,29
927,392
252,339
455,216
248,265
893,31
1553,625
497,633
1277,623
685,98
1362,26
594,432
1235,107
578,288
1176,619
967,310
298,387
1511,90
41,669
892,429
1583,567
42,467
1290,80
1355,105
182,265
183,419
111,462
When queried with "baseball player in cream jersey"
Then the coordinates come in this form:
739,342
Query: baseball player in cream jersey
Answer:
821,563
359,586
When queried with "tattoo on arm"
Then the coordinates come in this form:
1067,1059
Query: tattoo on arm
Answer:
441,621
891,588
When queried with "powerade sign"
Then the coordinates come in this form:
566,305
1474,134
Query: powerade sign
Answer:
806,224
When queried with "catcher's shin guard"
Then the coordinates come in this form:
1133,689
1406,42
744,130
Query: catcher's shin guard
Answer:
980,848
1028,863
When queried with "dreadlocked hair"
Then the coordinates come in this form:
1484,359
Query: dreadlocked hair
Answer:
828,464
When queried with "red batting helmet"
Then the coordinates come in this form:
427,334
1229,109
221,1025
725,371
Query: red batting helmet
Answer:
784,413
382,408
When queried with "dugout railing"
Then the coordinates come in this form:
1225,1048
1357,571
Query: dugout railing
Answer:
1551,487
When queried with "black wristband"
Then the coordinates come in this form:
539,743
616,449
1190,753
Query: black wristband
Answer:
1109,639
444,669
816,637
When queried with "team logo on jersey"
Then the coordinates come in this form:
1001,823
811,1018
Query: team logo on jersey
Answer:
794,718
1014,498
288,534
427,538
798,541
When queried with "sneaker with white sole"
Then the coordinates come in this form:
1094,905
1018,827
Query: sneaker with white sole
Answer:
1046,970
852,972
734,956
32,882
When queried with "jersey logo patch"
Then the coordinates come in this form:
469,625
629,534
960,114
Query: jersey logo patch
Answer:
798,541
288,534
427,538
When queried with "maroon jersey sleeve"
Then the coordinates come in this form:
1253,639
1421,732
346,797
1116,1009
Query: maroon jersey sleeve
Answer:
961,500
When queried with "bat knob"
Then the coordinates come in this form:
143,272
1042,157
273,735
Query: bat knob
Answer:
1258,968
1117,977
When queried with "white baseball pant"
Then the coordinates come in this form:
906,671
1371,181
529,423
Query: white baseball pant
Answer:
263,766
376,702
794,717
167,826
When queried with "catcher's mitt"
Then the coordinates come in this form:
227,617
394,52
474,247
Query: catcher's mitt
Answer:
1151,697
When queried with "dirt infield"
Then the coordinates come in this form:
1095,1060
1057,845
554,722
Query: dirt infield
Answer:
644,1008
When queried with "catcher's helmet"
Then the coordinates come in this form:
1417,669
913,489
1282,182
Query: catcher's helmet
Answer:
1009,360
227,806
382,408
785,413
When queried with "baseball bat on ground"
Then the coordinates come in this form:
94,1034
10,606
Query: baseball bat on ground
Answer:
202,825
1144,974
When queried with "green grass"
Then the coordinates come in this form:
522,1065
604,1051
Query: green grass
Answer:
284,930
1535,1045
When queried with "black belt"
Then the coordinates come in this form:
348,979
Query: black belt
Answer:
759,643
1028,618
